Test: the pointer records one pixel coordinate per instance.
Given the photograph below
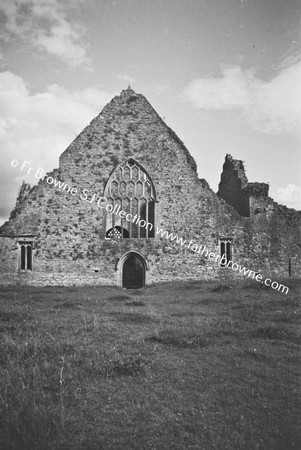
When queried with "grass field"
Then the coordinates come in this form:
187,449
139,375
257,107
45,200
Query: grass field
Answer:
187,365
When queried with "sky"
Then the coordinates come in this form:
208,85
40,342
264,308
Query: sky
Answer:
225,75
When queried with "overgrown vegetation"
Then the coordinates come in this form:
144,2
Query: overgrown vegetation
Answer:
199,365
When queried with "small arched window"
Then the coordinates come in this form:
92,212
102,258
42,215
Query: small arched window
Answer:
225,250
25,255
131,201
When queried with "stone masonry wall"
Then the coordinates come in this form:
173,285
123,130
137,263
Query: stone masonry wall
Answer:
69,243
271,237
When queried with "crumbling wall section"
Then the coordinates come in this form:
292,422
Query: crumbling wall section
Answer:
233,187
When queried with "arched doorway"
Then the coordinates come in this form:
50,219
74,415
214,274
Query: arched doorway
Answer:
133,272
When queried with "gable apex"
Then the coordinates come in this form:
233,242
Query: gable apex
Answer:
129,126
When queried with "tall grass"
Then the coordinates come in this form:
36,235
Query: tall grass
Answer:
194,366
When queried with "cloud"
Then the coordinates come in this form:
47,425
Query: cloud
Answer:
49,25
289,195
38,127
273,107
125,77
61,42
162,89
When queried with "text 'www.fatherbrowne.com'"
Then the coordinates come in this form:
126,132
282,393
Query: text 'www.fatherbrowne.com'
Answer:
221,259
102,202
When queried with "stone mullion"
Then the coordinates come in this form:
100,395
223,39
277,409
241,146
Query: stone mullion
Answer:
113,215
146,217
121,221
29,246
131,174
223,250
138,212
145,196
130,231
25,256
23,252
121,204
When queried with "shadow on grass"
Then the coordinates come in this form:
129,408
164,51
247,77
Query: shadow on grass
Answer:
134,302
181,340
131,365
222,288
133,317
275,333
13,316
119,297
67,305
107,365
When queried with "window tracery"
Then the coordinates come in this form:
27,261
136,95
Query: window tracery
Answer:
131,190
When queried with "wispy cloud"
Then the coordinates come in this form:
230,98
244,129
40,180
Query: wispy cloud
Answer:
49,25
289,195
125,77
273,107
39,127
162,88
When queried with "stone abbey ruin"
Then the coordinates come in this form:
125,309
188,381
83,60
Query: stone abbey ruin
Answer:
133,161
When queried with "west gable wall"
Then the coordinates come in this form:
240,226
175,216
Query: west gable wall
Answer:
70,244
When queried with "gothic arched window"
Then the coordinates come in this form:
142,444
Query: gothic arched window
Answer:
131,197
226,250
25,255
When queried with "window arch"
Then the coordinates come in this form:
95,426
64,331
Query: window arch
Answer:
133,271
225,250
130,189
25,255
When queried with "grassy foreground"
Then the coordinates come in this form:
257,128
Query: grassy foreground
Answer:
186,365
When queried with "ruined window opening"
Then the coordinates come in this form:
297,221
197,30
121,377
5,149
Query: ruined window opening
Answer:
225,251
130,189
25,255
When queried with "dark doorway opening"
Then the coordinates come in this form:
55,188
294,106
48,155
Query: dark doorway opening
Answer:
133,272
